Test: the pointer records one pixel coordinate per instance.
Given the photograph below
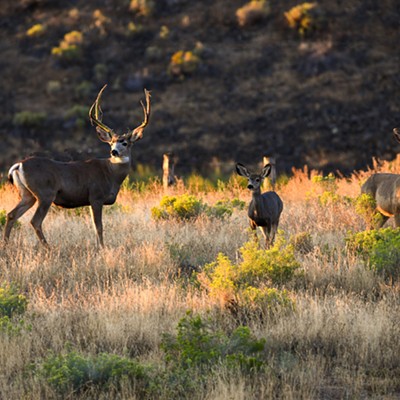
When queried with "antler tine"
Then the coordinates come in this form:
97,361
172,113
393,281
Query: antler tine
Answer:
96,114
137,133
146,110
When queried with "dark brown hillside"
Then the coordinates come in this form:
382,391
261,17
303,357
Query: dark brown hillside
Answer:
329,100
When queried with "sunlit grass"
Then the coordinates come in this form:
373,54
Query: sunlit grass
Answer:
341,340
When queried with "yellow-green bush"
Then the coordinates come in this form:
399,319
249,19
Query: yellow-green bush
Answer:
379,249
252,12
180,207
250,281
70,47
183,63
303,18
365,206
142,7
36,30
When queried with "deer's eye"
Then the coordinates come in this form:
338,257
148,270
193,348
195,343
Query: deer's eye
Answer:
257,179
124,144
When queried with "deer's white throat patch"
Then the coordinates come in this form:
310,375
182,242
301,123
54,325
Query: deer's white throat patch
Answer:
119,160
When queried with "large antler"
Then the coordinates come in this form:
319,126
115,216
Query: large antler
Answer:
137,133
96,114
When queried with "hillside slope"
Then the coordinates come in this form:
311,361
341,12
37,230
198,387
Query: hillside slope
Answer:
329,100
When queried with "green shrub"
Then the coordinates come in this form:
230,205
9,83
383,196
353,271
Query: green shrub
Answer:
380,249
365,206
12,303
181,207
224,208
12,306
186,206
3,217
78,114
74,372
198,344
53,87
197,183
84,90
29,119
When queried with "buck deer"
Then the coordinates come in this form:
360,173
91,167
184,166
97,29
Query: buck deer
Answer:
385,189
264,209
95,182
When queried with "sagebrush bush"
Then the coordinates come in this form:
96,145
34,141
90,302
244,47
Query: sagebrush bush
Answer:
29,119
380,249
198,346
73,372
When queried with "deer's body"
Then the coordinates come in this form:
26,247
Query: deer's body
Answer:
265,208
63,183
93,183
385,189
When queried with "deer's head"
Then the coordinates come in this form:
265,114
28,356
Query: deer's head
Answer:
254,180
120,144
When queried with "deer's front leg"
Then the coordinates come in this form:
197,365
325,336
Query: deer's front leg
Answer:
96,209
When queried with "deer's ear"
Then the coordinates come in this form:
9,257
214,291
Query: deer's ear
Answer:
136,134
242,170
266,171
103,135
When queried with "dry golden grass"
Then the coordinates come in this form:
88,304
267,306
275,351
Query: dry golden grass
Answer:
341,341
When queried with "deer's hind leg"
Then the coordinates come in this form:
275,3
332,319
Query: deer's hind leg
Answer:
38,218
26,202
397,220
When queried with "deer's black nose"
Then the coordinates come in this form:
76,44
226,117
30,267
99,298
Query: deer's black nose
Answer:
114,153
250,187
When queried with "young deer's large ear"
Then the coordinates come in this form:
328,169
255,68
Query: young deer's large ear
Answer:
103,135
242,170
266,171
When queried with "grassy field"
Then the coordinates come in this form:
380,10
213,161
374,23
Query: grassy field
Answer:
114,322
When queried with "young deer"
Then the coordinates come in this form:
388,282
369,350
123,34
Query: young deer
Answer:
93,183
264,209
385,189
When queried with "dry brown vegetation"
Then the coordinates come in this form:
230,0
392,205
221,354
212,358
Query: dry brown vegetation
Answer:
341,340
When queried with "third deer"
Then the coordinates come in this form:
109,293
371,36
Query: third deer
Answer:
385,189
264,209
